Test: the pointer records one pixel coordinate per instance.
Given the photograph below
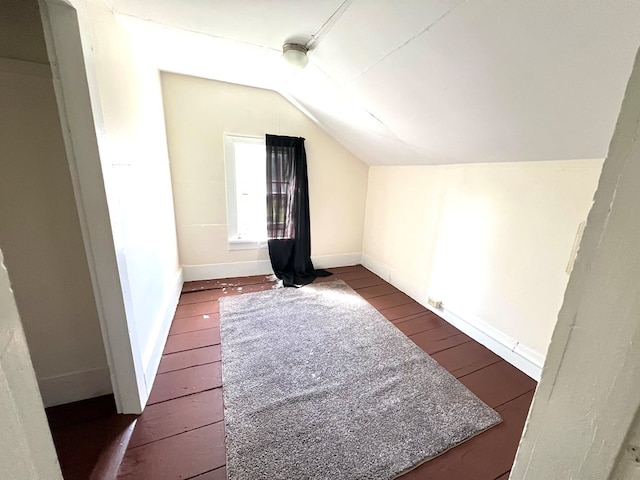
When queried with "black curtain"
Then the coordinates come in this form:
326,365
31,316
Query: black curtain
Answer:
288,226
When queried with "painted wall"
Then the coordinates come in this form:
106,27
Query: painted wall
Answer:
126,102
198,112
583,422
21,36
39,226
26,448
491,241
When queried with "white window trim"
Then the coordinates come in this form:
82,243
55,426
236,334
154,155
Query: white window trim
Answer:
234,242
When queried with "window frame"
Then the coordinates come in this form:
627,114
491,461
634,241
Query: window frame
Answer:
234,242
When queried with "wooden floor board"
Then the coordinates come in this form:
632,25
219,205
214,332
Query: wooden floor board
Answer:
180,383
353,275
466,358
365,282
243,281
181,432
498,383
219,283
193,309
485,456
180,456
377,290
200,296
189,358
390,300
351,268
198,322
80,446
440,338
177,416
401,311
217,474
239,290
419,323
187,341
80,412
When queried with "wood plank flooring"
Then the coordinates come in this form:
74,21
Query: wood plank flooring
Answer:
180,435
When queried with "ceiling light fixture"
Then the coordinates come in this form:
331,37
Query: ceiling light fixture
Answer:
295,54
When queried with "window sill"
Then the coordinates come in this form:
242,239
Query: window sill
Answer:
238,244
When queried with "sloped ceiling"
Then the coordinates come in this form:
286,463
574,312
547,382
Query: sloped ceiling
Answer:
403,82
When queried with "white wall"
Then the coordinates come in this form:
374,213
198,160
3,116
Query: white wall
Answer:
127,104
26,448
491,241
133,148
21,36
110,103
39,227
198,112
583,422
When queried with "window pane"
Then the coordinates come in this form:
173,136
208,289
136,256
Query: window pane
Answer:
251,190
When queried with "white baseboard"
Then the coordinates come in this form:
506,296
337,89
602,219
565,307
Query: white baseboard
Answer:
75,386
160,334
376,267
338,260
502,345
260,267
226,270
517,354
532,356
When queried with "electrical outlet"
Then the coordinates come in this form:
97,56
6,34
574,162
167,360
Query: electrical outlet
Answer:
434,303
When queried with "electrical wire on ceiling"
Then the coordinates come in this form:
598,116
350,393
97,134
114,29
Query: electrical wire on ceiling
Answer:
326,26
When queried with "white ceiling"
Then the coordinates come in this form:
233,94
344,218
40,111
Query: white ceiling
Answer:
418,81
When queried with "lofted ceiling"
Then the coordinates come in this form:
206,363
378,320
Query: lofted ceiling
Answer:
402,82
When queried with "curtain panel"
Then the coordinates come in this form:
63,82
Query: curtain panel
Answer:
288,219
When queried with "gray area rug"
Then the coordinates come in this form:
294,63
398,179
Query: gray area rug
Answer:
319,385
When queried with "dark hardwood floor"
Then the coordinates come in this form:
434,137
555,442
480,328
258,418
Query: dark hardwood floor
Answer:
181,432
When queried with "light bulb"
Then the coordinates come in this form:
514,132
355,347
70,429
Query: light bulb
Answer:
295,54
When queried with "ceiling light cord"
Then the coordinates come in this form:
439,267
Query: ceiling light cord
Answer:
326,26
296,54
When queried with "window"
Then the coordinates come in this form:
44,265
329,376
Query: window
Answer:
246,191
